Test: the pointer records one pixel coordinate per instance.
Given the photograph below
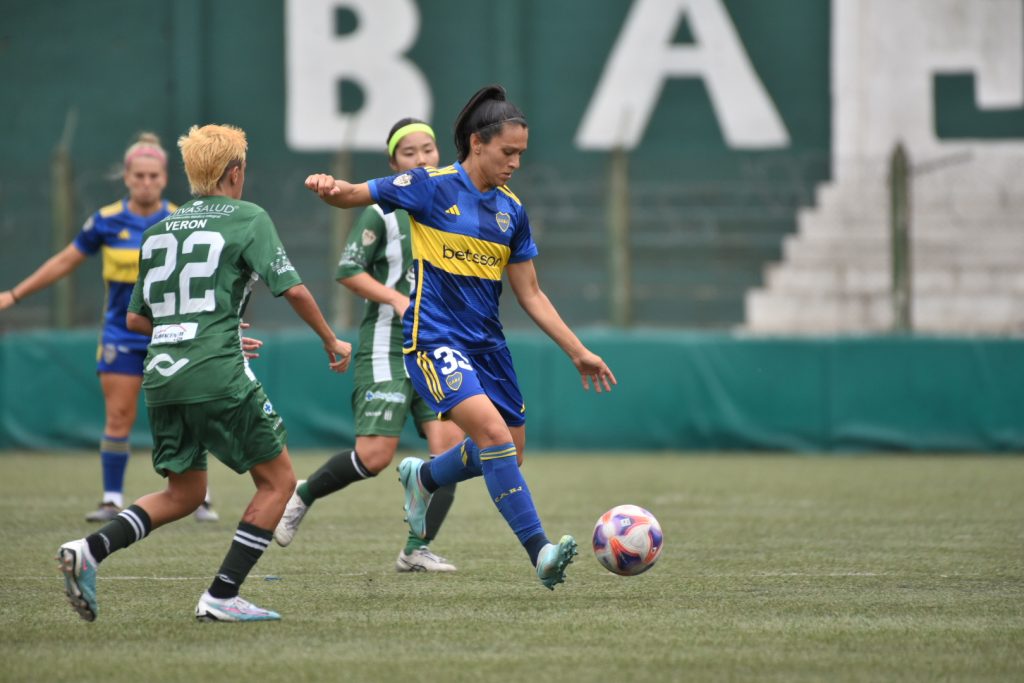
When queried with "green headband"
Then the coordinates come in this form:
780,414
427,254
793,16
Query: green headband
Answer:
405,130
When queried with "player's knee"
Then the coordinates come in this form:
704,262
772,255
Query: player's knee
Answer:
493,434
119,421
375,459
186,496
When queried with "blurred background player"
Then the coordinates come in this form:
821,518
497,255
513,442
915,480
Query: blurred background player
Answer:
468,228
376,264
116,229
197,271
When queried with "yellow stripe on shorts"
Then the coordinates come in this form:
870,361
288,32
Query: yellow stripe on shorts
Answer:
433,383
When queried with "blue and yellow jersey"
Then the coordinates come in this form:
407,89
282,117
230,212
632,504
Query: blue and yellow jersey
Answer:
462,240
116,232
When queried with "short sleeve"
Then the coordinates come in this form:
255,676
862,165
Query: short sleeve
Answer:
411,190
90,237
137,304
365,240
266,256
522,245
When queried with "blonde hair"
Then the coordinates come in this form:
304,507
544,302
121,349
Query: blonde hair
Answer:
208,153
146,145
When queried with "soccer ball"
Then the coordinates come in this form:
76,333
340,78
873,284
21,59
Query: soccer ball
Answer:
627,540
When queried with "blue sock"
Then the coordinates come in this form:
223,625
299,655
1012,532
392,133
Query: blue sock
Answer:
510,493
454,465
114,452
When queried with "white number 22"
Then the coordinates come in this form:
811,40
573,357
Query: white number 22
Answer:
169,244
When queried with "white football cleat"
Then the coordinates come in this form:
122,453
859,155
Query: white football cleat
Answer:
292,517
231,609
422,560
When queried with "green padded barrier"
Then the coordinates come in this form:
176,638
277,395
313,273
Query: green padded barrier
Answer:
676,391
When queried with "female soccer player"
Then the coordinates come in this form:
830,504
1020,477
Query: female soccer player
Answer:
468,228
197,270
376,264
116,229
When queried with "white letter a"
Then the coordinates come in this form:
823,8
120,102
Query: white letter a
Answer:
644,57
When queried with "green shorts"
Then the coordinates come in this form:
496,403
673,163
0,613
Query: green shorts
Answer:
241,431
380,408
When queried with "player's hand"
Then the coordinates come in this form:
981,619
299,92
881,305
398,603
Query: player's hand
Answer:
250,346
401,305
6,299
593,369
323,184
340,353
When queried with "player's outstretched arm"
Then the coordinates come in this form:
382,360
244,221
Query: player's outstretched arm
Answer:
339,193
53,269
338,352
523,278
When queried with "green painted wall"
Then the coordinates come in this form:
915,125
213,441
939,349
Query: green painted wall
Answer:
705,216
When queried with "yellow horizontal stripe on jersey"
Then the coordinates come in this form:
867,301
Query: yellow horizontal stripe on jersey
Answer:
111,209
459,254
511,195
507,453
120,265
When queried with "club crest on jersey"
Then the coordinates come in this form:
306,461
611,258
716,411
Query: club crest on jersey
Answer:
454,381
403,180
368,238
504,220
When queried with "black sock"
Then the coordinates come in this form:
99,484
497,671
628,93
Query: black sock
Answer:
437,509
246,549
427,479
534,544
335,474
131,524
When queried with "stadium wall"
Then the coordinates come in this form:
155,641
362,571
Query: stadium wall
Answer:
676,390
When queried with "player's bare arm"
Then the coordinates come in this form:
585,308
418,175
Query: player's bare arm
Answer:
53,269
364,285
139,323
339,193
523,278
338,352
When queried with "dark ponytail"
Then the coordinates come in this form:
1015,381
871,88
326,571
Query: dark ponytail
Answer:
485,114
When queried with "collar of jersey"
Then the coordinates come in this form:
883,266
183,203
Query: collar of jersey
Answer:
468,182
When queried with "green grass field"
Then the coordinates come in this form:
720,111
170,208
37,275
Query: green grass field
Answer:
775,568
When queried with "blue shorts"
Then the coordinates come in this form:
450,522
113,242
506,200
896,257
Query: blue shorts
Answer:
119,359
445,377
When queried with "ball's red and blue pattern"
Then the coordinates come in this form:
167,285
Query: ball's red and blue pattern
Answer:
627,540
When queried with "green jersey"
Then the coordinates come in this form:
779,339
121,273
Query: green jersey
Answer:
196,272
379,244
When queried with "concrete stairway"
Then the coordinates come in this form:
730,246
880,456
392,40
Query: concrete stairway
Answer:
967,253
